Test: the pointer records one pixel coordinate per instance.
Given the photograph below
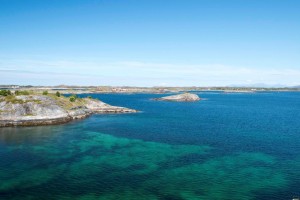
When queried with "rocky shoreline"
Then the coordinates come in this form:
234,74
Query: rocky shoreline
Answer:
35,110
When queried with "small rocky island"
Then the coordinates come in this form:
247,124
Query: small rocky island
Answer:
185,97
37,109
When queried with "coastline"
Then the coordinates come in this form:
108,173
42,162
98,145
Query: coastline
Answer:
63,89
36,110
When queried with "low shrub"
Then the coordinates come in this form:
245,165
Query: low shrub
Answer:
45,92
5,92
73,98
21,92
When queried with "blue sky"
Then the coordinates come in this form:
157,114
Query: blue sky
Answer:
150,42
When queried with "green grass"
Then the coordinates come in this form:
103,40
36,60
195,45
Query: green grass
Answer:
12,99
61,101
29,115
23,92
65,102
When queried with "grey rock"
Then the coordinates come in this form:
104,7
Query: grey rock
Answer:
185,97
97,106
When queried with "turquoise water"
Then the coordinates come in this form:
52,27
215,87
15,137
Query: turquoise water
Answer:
228,146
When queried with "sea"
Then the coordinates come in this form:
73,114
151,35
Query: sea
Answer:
228,146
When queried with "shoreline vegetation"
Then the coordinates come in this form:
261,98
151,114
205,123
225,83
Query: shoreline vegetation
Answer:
28,108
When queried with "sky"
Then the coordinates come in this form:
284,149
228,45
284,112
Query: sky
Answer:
150,42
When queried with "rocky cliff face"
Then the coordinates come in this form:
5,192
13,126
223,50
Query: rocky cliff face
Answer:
180,97
43,110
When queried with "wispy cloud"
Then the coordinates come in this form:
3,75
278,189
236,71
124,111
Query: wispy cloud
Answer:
139,73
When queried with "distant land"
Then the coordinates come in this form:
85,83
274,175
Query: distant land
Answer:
67,89
261,85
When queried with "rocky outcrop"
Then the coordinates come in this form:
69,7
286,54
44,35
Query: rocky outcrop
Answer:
185,97
30,110
97,106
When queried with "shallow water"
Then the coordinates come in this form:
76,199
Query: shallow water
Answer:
228,146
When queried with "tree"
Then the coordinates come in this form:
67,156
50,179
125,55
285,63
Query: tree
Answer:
57,94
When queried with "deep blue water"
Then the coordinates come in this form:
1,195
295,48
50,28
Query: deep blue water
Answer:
227,146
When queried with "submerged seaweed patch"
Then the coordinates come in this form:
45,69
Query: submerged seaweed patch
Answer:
101,166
